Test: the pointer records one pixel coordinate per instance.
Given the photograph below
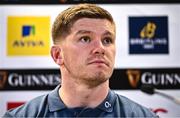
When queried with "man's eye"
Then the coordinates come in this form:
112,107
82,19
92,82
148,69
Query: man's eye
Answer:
107,41
85,39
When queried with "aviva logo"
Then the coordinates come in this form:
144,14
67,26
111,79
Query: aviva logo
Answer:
28,30
28,35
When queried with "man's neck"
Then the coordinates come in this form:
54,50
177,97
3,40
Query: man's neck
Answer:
78,95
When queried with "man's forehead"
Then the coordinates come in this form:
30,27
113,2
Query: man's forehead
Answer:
89,25
84,21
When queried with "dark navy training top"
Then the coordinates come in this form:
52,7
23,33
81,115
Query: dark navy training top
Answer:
51,105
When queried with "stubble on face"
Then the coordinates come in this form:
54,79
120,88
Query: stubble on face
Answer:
97,79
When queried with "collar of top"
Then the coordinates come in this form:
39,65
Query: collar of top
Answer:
55,103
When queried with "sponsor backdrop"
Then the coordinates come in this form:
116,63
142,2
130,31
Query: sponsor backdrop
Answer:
147,53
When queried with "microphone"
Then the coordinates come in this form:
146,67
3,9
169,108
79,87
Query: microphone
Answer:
149,89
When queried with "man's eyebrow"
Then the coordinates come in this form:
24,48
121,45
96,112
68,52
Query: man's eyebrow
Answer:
108,33
111,34
83,32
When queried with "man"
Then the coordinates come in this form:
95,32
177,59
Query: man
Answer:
84,48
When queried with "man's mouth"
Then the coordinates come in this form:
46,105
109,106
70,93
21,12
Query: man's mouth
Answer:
98,62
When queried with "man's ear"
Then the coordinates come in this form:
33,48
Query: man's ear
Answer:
56,54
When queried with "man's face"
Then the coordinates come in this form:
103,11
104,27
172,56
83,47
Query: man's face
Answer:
88,52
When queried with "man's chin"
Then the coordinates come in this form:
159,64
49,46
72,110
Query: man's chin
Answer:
95,81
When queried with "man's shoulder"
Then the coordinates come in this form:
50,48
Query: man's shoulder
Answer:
31,108
129,106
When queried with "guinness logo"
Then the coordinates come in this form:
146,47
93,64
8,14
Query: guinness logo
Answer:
3,77
133,77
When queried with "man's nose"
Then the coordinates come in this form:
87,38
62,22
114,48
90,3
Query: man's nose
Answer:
98,47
